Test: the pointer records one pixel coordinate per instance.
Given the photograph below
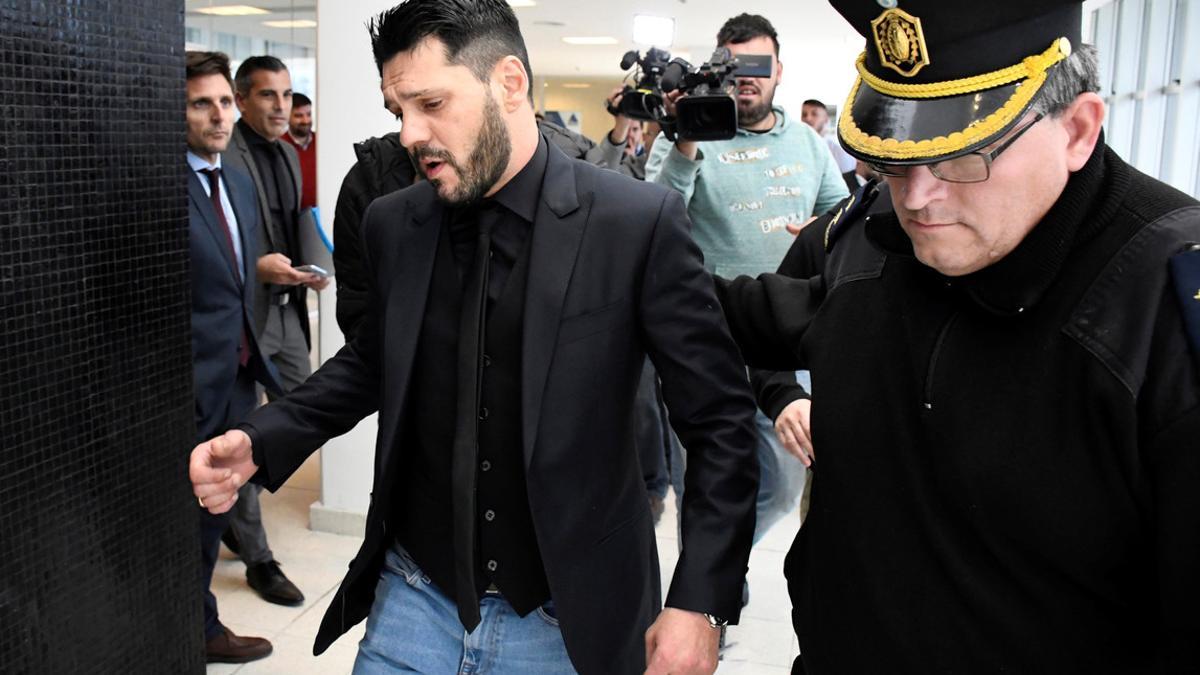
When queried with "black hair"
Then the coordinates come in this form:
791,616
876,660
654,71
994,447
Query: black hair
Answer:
811,101
476,33
746,27
208,63
252,65
300,100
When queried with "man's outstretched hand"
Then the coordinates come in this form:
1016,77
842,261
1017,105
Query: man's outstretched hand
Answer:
219,467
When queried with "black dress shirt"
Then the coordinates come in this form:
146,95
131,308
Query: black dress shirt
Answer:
507,557
280,187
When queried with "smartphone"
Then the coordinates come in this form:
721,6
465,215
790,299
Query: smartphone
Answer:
314,269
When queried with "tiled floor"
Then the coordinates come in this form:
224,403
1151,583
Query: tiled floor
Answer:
762,645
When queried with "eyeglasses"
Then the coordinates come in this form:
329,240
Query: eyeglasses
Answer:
973,167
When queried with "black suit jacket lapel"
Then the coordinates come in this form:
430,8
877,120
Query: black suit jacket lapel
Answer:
204,206
557,233
410,257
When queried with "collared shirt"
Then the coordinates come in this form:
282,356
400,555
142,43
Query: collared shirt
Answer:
199,165
511,210
287,136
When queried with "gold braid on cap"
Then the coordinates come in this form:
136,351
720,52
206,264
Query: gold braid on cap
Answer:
1032,70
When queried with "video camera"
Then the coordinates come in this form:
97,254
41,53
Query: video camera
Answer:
707,111
644,101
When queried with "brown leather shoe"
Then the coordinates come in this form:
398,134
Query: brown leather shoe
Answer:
228,647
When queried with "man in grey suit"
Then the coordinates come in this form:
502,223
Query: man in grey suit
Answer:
264,97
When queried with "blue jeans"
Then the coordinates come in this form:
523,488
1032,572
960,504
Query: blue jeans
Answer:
414,628
781,476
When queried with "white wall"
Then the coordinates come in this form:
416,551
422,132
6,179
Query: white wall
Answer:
349,109
821,69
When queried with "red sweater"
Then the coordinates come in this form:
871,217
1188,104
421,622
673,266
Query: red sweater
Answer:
308,168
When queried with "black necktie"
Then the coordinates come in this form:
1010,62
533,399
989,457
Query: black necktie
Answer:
214,182
466,433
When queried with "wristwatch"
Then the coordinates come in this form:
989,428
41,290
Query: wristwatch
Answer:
716,622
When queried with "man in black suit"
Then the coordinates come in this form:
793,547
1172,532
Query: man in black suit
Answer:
226,361
513,297
264,97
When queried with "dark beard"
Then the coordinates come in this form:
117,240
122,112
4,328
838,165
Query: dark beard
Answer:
753,114
484,166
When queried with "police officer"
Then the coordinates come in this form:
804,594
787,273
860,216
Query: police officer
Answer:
1008,405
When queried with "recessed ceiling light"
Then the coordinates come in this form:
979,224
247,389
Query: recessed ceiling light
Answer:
576,85
291,23
653,31
232,10
522,3
593,40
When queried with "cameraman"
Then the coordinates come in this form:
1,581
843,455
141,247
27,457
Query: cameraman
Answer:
622,146
741,195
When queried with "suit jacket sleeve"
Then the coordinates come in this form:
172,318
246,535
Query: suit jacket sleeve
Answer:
329,403
708,397
769,315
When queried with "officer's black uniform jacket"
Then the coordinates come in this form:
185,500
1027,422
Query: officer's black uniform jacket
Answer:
1009,462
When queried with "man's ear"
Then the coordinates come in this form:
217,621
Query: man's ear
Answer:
513,80
1082,120
240,101
778,71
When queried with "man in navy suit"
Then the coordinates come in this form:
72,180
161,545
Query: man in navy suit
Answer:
222,228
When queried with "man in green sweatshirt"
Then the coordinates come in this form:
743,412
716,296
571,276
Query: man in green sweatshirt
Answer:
742,194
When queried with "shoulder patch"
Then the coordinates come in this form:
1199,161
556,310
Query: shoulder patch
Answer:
1185,272
849,211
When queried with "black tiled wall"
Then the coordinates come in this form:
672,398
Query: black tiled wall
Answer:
98,529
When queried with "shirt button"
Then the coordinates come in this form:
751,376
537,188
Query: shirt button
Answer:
487,360
483,413
492,565
489,515
485,465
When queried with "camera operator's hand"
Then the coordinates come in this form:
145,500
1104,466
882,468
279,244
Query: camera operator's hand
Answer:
621,123
685,148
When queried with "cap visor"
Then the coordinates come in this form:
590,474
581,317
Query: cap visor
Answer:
885,129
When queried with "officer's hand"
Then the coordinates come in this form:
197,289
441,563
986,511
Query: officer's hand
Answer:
795,229
681,643
276,268
794,430
219,467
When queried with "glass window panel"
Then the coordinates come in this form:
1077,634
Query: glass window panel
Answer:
1128,45
1103,38
1152,77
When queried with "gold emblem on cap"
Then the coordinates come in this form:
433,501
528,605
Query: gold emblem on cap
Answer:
900,42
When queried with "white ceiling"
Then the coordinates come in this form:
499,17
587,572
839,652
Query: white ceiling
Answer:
801,22
807,28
